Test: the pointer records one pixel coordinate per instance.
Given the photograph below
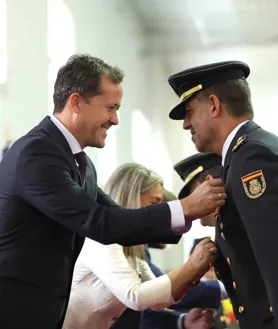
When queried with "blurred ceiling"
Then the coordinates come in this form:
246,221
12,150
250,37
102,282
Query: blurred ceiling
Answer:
176,27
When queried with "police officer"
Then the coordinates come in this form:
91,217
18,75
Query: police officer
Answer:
193,171
215,105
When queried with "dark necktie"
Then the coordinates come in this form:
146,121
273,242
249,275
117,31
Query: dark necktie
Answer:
82,164
223,173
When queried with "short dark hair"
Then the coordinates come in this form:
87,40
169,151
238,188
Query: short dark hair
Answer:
235,94
82,74
215,172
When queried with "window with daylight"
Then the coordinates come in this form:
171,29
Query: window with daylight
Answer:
149,149
3,41
107,157
60,40
141,138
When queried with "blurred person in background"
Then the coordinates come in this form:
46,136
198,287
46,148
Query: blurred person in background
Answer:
119,277
220,320
203,295
208,293
193,171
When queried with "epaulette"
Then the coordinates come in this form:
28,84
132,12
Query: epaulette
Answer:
241,140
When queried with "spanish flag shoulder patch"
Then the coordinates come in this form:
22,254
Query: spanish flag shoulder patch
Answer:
254,184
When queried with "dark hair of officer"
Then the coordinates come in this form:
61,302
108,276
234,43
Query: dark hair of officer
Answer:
196,168
234,94
82,74
215,172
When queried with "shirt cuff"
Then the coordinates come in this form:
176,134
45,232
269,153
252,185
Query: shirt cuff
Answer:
180,323
223,292
178,223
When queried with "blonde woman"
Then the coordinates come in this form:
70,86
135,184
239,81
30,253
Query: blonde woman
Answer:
108,279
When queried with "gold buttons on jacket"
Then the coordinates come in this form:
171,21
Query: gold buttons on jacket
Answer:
223,236
229,260
270,309
221,226
234,284
241,309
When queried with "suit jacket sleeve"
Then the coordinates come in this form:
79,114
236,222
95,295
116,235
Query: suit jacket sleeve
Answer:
204,295
164,319
44,180
256,200
105,199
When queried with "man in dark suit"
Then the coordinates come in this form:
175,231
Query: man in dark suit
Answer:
216,107
49,199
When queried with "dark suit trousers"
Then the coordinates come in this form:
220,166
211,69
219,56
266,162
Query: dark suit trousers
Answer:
24,306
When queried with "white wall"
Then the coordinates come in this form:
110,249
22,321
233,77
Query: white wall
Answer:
23,98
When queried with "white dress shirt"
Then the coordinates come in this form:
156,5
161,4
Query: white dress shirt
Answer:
105,283
229,141
72,141
178,223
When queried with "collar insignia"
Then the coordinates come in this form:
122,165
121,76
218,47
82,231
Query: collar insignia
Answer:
241,140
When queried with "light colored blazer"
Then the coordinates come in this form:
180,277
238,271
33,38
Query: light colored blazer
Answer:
105,283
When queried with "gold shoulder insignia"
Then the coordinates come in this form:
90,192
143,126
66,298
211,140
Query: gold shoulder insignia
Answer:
254,184
241,140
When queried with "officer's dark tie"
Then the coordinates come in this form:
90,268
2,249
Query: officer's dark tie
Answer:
82,164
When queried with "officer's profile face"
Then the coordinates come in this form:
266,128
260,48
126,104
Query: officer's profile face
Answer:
198,119
209,220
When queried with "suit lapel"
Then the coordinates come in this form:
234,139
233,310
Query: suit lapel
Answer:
90,183
51,130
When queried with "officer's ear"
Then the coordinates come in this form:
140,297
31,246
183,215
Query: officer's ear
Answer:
214,106
209,177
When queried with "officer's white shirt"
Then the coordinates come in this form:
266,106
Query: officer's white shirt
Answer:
229,141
